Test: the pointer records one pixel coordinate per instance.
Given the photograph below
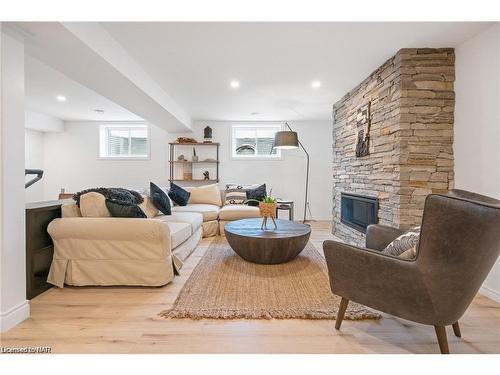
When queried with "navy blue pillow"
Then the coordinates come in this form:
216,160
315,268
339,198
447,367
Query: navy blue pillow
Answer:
259,193
124,209
178,194
160,199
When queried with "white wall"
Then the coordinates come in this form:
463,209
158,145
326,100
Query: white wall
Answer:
34,159
477,124
71,161
287,176
14,307
42,122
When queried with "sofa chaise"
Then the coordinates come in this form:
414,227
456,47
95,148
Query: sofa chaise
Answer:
209,201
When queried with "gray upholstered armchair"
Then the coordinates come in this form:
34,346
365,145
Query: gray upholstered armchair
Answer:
459,244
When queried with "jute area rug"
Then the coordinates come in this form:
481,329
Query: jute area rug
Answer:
224,286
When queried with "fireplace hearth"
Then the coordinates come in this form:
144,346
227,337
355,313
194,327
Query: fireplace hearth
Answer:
358,211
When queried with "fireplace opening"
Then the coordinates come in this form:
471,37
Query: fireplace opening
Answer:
358,211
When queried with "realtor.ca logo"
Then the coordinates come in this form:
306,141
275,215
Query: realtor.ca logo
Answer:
26,350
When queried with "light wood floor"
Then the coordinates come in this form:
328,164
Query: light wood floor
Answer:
124,320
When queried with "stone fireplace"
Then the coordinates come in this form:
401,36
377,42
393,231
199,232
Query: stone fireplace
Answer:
410,148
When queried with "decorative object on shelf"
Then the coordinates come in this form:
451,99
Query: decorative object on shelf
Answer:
210,160
287,140
187,175
206,175
185,140
207,135
363,124
181,158
195,157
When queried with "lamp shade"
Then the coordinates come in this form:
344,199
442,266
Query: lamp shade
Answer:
286,140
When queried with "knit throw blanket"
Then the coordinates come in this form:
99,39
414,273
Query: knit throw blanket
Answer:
117,194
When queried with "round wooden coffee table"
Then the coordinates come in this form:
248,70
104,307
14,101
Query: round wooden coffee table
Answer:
268,246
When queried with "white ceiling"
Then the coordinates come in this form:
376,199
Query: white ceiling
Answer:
274,62
43,84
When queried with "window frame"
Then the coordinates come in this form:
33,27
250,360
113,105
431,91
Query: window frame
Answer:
240,125
103,140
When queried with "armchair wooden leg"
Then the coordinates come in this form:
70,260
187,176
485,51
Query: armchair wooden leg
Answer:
456,329
340,315
442,339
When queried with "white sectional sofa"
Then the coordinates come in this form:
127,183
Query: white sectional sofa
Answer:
121,251
96,249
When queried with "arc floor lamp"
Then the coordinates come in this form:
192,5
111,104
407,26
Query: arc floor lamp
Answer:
286,140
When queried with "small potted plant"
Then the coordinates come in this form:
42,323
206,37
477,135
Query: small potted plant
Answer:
267,208
195,157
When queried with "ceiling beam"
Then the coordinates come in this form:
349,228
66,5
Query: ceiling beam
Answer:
86,53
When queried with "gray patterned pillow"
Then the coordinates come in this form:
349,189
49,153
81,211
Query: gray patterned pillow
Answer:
235,194
406,244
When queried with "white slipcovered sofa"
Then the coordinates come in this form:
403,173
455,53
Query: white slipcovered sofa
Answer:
92,248
121,251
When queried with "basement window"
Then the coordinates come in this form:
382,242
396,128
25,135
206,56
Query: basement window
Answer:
124,141
254,142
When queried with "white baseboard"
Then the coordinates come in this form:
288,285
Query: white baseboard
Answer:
490,293
324,218
14,316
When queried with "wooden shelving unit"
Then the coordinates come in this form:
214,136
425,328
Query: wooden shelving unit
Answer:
173,161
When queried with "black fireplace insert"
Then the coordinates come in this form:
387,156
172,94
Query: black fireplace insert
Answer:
358,211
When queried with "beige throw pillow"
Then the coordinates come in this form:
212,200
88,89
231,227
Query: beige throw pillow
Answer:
404,243
409,254
93,205
148,207
208,194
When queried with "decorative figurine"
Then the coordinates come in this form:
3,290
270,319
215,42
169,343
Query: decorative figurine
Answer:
185,140
364,122
207,135
181,158
206,175
195,157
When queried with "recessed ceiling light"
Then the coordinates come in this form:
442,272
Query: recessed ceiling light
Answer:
61,98
234,84
315,84
99,111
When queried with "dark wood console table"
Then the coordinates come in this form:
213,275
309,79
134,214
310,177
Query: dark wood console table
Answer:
39,246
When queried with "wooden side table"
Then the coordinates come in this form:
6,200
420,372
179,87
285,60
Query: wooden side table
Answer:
285,205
